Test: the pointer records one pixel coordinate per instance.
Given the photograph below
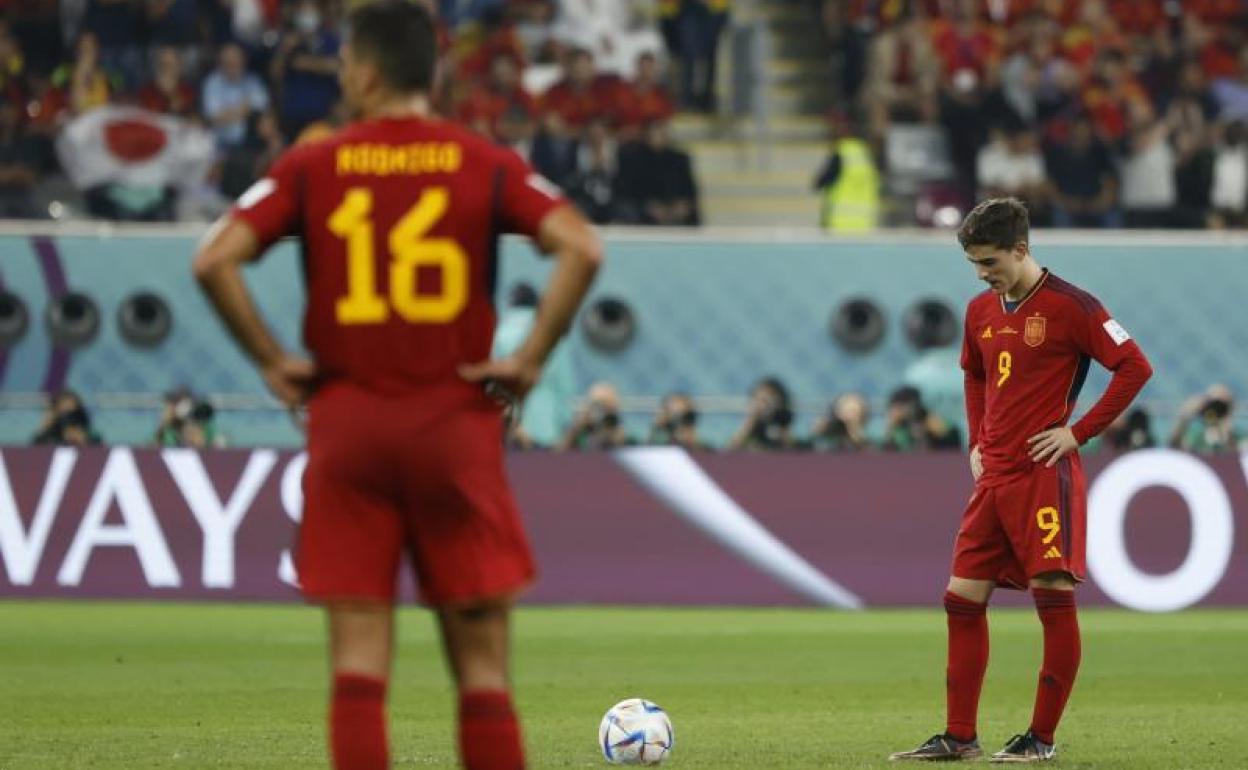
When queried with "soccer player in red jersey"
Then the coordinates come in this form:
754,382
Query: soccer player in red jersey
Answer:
399,216
1026,349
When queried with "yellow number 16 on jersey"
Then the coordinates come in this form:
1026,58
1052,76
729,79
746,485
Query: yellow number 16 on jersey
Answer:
409,250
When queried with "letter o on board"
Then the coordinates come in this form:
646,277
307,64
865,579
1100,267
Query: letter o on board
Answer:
1213,529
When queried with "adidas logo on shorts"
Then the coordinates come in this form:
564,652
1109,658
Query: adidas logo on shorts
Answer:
1053,553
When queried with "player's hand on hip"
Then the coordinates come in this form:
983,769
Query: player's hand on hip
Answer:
291,378
1052,445
977,463
505,379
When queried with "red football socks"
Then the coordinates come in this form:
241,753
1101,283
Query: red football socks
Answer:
1061,658
357,723
489,734
968,660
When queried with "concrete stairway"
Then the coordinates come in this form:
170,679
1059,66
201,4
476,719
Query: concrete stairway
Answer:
751,174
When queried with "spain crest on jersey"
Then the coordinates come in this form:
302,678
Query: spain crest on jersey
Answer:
1033,332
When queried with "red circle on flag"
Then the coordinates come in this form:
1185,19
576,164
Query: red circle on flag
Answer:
134,141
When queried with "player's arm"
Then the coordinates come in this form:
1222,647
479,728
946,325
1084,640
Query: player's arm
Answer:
1130,375
532,206
218,267
263,214
577,251
975,393
1104,339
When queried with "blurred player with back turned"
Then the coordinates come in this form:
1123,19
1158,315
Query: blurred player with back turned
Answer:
399,216
1027,345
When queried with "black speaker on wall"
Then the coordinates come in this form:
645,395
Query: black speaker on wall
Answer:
931,323
73,320
14,319
144,319
609,324
858,325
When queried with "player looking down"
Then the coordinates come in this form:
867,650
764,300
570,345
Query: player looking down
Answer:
398,216
1026,349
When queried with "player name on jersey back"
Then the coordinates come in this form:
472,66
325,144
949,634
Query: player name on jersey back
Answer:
412,159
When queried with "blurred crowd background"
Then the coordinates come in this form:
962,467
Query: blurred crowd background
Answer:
1098,113
584,88
849,114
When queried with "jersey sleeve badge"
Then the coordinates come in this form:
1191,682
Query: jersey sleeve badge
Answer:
1116,333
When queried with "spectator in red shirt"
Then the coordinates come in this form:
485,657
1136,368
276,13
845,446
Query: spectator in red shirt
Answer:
1095,32
965,42
645,100
501,108
483,42
1110,96
168,92
1211,45
581,95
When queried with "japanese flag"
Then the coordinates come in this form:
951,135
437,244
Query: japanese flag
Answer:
127,145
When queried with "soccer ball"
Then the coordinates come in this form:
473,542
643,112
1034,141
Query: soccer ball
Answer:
635,732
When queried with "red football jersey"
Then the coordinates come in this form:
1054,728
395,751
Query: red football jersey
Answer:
399,220
1030,363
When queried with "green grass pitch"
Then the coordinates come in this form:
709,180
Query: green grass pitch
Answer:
106,686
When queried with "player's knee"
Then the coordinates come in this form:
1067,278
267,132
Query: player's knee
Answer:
973,590
1054,581
476,637
360,640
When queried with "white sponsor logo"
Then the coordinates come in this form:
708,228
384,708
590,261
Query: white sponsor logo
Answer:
1116,333
119,514
121,488
218,521
292,501
257,192
121,484
676,479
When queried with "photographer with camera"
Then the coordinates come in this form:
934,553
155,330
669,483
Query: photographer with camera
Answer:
1204,424
843,428
66,422
676,423
597,423
911,427
188,422
1130,431
769,421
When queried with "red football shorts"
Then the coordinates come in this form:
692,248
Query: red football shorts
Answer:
420,474
1032,523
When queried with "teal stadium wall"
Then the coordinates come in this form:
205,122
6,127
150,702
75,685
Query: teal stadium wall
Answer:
715,312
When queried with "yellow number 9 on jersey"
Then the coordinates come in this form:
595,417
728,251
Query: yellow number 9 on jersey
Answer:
1005,362
1049,523
409,250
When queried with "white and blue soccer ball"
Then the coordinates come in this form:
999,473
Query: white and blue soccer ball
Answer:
636,732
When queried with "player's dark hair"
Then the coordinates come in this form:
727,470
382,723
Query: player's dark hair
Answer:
999,222
399,38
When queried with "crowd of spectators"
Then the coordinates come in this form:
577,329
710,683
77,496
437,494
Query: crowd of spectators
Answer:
581,87
1097,113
